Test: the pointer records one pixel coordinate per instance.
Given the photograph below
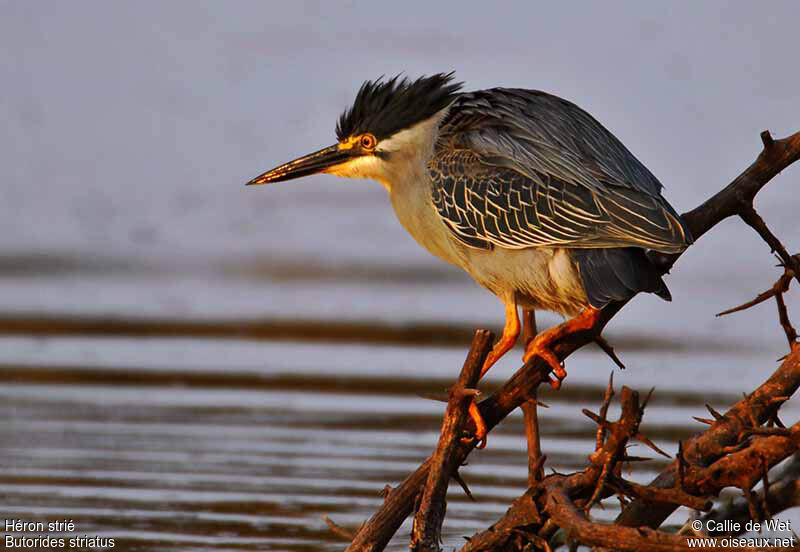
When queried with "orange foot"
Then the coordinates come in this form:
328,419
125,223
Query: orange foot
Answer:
503,345
480,427
541,345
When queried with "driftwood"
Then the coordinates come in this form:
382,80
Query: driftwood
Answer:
736,450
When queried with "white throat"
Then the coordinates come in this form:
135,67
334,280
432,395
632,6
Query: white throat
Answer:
409,152
403,171
409,184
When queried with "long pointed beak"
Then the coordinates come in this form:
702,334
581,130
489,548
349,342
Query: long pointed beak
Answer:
304,166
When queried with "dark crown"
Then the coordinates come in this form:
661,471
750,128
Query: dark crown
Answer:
383,108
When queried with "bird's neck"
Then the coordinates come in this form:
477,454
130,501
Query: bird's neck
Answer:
408,182
408,154
407,179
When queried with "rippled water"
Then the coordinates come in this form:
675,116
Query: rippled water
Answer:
206,404
231,443
189,365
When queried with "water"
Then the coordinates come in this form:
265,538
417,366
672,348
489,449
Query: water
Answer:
229,443
190,365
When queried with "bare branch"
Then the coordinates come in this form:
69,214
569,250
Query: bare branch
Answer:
780,494
706,448
669,496
786,324
337,530
426,534
535,464
754,220
711,446
601,428
608,350
781,286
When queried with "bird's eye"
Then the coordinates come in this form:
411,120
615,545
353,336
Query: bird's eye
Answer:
368,141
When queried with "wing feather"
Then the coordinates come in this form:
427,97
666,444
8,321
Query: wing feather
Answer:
520,168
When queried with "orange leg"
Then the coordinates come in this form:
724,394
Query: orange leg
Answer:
506,341
504,344
480,426
540,346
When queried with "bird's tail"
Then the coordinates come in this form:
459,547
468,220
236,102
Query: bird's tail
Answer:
617,274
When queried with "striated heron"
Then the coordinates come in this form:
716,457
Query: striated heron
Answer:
525,191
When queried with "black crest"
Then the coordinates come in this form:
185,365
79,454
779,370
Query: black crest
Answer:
385,107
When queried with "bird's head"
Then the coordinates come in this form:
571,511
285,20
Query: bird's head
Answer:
389,121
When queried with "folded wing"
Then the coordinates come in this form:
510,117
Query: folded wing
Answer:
519,168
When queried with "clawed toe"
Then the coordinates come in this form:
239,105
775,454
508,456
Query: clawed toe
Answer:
541,345
480,427
543,351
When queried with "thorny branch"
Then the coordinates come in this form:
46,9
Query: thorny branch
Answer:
735,450
782,493
426,533
777,291
560,500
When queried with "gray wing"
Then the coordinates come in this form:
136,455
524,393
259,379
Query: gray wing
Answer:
520,168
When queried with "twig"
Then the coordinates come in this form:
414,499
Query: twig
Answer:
743,189
669,496
337,530
754,220
650,444
618,433
781,286
786,324
609,351
426,533
530,409
777,290
601,428
529,329
717,416
463,484
535,465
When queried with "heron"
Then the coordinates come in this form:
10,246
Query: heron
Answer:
525,191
